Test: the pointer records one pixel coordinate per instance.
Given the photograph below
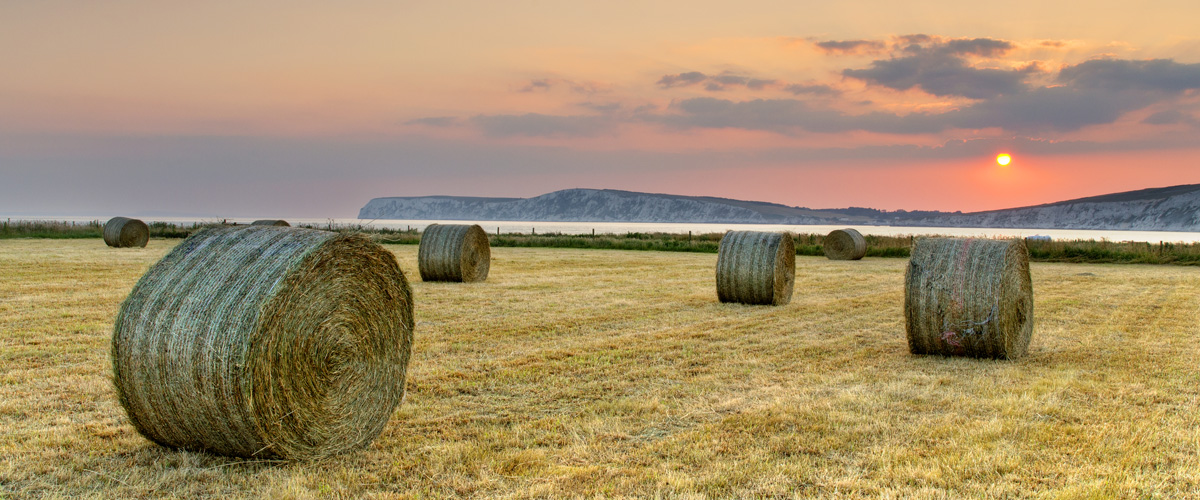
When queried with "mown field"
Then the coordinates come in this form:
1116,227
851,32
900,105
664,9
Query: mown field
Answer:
607,374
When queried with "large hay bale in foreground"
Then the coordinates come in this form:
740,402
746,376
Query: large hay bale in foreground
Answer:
123,232
756,267
969,297
270,222
265,342
844,244
454,252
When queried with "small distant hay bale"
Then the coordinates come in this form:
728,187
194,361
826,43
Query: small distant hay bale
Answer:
123,232
256,342
270,222
454,252
845,244
756,267
969,297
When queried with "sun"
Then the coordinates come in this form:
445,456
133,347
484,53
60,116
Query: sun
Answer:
1003,159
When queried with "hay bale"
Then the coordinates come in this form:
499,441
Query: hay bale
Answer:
271,222
265,342
756,267
969,297
845,244
123,232
454,252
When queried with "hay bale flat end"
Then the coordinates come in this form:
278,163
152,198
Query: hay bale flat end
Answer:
454,252
755,267
844,244
123,232
261,342
969,297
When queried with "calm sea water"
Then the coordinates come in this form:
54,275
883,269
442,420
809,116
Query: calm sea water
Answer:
526,227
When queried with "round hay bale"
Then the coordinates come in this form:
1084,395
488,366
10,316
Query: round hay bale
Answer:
270,222
756,267
265,342
454,252
845,244
969,297
123,232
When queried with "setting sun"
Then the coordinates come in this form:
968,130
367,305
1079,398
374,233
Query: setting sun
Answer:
1003,160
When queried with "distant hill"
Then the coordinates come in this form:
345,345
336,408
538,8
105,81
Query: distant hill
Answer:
598,205
1175,208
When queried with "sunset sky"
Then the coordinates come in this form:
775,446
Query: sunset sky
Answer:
310,109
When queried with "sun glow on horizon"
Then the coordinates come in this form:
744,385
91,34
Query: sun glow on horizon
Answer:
1003,159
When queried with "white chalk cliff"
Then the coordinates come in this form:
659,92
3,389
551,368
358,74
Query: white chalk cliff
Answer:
1175,208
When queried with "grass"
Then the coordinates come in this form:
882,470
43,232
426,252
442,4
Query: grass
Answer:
1078,251
595,373
90,229
51,229
806,244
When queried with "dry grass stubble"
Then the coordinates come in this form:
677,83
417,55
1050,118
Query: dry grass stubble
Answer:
585,373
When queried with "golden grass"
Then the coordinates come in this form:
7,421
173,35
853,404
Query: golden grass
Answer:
594,373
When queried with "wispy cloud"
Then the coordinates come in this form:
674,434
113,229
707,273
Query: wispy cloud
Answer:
714,83
548,84
1040,110
541,85
1172,117
939,67
982,90
983,47
682,79
788,116
1060,109
851,46
1115,74
728,81
811,89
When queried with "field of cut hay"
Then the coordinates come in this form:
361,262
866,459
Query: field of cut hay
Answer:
599,373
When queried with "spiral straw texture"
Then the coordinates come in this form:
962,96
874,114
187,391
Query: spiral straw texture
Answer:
845,244
756,267
270,222
123,232
969,297
265,342
454,252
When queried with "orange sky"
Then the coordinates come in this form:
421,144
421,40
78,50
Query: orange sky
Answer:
309,109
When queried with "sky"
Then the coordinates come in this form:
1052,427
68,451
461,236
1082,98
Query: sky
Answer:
311,108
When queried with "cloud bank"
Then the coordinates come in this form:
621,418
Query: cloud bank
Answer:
982,84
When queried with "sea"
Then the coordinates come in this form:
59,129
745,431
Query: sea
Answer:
528,227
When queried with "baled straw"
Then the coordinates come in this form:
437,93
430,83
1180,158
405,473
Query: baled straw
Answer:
756,267
454,252
270,222
123,232
969,297
845,244
265,342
